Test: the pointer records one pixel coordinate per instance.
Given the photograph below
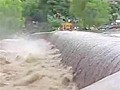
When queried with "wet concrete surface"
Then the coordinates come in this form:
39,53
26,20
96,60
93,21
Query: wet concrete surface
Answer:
111,82
93,56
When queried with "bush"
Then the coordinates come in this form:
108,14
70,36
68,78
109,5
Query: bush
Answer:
54,22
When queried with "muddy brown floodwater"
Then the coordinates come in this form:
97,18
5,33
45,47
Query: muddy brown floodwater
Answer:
32,65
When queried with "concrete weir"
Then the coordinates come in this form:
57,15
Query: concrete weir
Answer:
93,56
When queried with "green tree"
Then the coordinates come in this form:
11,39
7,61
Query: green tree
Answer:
32,10
10,15
51,7
61,6
29,7
90,12
43,10
115,10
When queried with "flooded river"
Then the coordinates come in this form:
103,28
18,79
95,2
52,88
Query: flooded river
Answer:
32,65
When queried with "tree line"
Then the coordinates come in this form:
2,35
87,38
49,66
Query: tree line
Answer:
14,13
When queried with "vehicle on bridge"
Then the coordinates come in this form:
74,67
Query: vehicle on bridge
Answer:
115,27
67,26
109,27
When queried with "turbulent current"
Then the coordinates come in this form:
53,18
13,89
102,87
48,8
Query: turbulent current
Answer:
32,65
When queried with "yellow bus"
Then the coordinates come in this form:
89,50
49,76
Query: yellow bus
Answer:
66,26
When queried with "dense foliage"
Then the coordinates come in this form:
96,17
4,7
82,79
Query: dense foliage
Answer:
39,9
115,11
13,13
10,15
91,12
61,6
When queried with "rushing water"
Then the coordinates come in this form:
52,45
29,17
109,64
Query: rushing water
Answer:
32,65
